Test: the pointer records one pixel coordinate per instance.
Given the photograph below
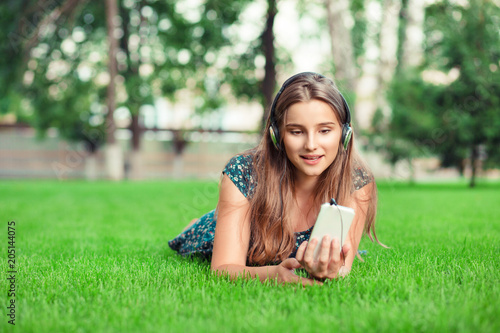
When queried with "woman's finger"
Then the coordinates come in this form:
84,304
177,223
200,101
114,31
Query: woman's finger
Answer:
336,250
309,282
345,251
288,275
309,254
324,255
335,262
300,251
332,249
291,264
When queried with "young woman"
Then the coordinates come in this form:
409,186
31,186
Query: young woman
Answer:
270,196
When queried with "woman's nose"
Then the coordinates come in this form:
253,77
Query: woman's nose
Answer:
311,142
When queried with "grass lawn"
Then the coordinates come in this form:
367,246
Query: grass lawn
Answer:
93,257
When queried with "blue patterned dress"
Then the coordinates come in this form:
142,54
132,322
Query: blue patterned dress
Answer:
198,239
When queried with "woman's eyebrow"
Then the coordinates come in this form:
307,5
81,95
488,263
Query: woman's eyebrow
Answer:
320,124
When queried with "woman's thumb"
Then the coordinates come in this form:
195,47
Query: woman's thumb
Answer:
291,263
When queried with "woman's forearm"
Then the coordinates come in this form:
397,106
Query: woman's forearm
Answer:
283,273
263,273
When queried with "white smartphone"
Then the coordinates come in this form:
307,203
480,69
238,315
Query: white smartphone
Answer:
334,221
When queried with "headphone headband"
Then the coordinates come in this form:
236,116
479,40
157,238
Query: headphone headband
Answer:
290,80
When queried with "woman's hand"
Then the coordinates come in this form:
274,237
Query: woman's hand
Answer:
285,273
330,258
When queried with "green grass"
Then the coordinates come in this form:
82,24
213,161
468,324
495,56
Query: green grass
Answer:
93,257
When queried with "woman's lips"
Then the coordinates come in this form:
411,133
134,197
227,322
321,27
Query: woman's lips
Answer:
311,159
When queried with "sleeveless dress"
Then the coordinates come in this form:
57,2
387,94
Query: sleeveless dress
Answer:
198,239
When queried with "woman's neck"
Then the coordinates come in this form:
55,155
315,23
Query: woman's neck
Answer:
303,214
303,211
305,186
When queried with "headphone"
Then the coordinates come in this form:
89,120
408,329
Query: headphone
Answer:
273,128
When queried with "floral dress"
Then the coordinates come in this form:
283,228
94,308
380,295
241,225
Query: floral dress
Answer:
198,239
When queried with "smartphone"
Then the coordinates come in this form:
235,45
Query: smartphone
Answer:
333,220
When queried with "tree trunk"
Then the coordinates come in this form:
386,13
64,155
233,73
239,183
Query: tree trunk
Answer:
269,83
341,43
380,61
111,17
461,168
91,167
114,155
473,162
411,176
367,87
413,50
388,51
136,132
135,159
133,167
401,34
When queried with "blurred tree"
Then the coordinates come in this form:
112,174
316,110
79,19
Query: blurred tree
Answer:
269,81
470,47
21,29
55,71
359,29
413,38
364,43
114,155
338,13
448,107
407,134
246,78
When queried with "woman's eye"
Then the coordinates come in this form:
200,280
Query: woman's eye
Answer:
295,132
325,131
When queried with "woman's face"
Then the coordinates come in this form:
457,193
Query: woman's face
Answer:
311,137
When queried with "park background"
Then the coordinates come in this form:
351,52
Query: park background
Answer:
114,112
189,83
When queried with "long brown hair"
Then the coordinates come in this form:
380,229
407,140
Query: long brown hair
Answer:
272,235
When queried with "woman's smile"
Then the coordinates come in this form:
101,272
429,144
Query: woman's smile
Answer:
312,159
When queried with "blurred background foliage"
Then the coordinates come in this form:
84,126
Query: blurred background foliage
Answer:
455,118
438,99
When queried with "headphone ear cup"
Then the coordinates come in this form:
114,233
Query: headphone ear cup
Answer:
346,135
274,134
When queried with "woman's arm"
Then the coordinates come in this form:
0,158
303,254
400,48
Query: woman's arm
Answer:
232,239
331,264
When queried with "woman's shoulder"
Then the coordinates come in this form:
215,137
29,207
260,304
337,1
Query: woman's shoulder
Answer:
361,175
240,170
240,162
